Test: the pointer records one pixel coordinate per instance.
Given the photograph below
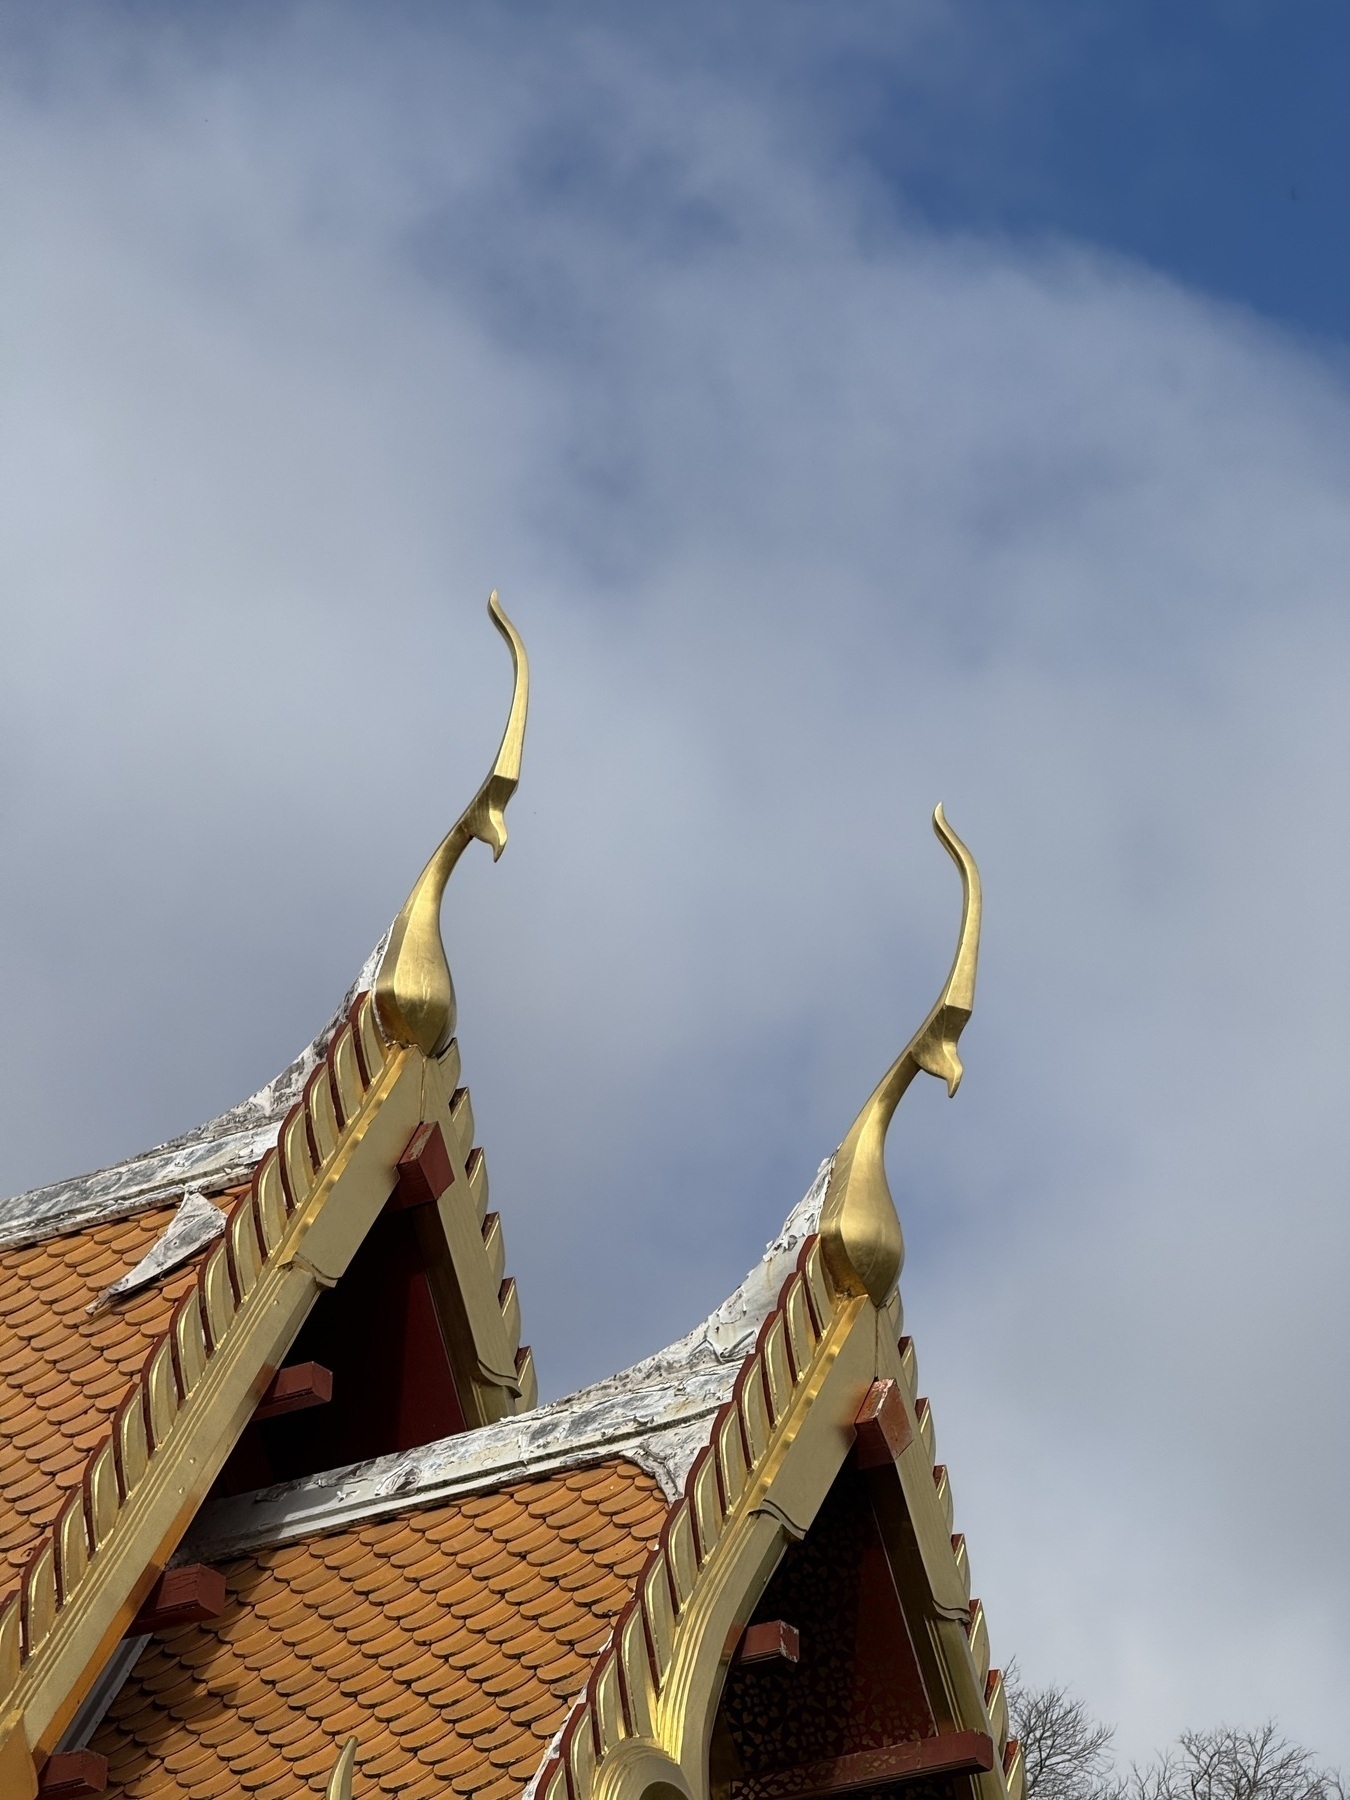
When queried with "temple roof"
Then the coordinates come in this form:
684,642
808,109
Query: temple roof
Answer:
452,1606
657,1414
453,1638
481,1595
63,1371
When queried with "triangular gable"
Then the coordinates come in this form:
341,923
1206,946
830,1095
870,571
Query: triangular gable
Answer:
833,1672
711,1477
590,1572
826,1360
764,1479
381,1114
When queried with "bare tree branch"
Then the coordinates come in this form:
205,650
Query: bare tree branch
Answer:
1227,1764
1065,1751
1067,1756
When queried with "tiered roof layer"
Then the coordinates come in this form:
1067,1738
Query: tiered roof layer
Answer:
63,1371
450,1639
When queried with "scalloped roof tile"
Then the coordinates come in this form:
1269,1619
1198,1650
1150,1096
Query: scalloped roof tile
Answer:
63,1371
465,1701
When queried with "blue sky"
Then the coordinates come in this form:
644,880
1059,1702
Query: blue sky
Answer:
857,407
1209,141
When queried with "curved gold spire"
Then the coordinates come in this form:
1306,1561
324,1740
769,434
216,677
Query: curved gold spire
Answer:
860,1231
340,1781
414,995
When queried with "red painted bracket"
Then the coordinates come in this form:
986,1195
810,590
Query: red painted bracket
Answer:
882,1428
424,1169
951,1753
182,1596
73,1775
773,1641
296,1388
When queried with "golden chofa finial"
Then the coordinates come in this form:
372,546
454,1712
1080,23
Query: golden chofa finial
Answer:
859,1228
414,995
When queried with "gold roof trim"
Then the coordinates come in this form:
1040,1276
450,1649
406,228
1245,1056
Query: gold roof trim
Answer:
640,1718
311,1201
340,1781
646,1715
201,1382
414,993
645,1720
859,1226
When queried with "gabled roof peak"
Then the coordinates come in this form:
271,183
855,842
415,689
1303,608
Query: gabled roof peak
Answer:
655,1413
209,1157
414,998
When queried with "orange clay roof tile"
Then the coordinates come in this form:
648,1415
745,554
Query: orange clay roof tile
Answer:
300,1685
504,1632
502,1685
336,1661
458,1757
451,1682
318,1763
425,1614
528,1711
421,1790
270,1790
63,1371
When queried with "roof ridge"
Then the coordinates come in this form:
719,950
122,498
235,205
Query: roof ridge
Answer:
636,1669
652,1412
54,1624
209,1156
642,1713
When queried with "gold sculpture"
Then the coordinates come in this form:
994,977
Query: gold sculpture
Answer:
414,995
340,1781
859,1227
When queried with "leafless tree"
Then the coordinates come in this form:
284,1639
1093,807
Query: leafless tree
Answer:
1066,1752
1225,1764
1067,1756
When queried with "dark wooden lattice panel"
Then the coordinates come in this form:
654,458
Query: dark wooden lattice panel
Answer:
857,1685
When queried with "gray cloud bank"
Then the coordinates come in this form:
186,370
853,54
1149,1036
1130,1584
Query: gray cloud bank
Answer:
314,331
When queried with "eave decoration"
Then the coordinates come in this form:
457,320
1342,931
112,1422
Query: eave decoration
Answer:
802,1385
392,1066
642,1729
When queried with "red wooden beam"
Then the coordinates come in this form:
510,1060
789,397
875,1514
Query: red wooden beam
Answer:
424,1169
953,1753
882,1426
293,1389
73,1775
774,1641
183,1596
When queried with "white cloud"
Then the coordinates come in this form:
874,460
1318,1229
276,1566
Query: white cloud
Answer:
810,520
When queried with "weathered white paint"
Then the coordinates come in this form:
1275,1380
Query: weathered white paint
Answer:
196,1223
656,1414
210,1158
